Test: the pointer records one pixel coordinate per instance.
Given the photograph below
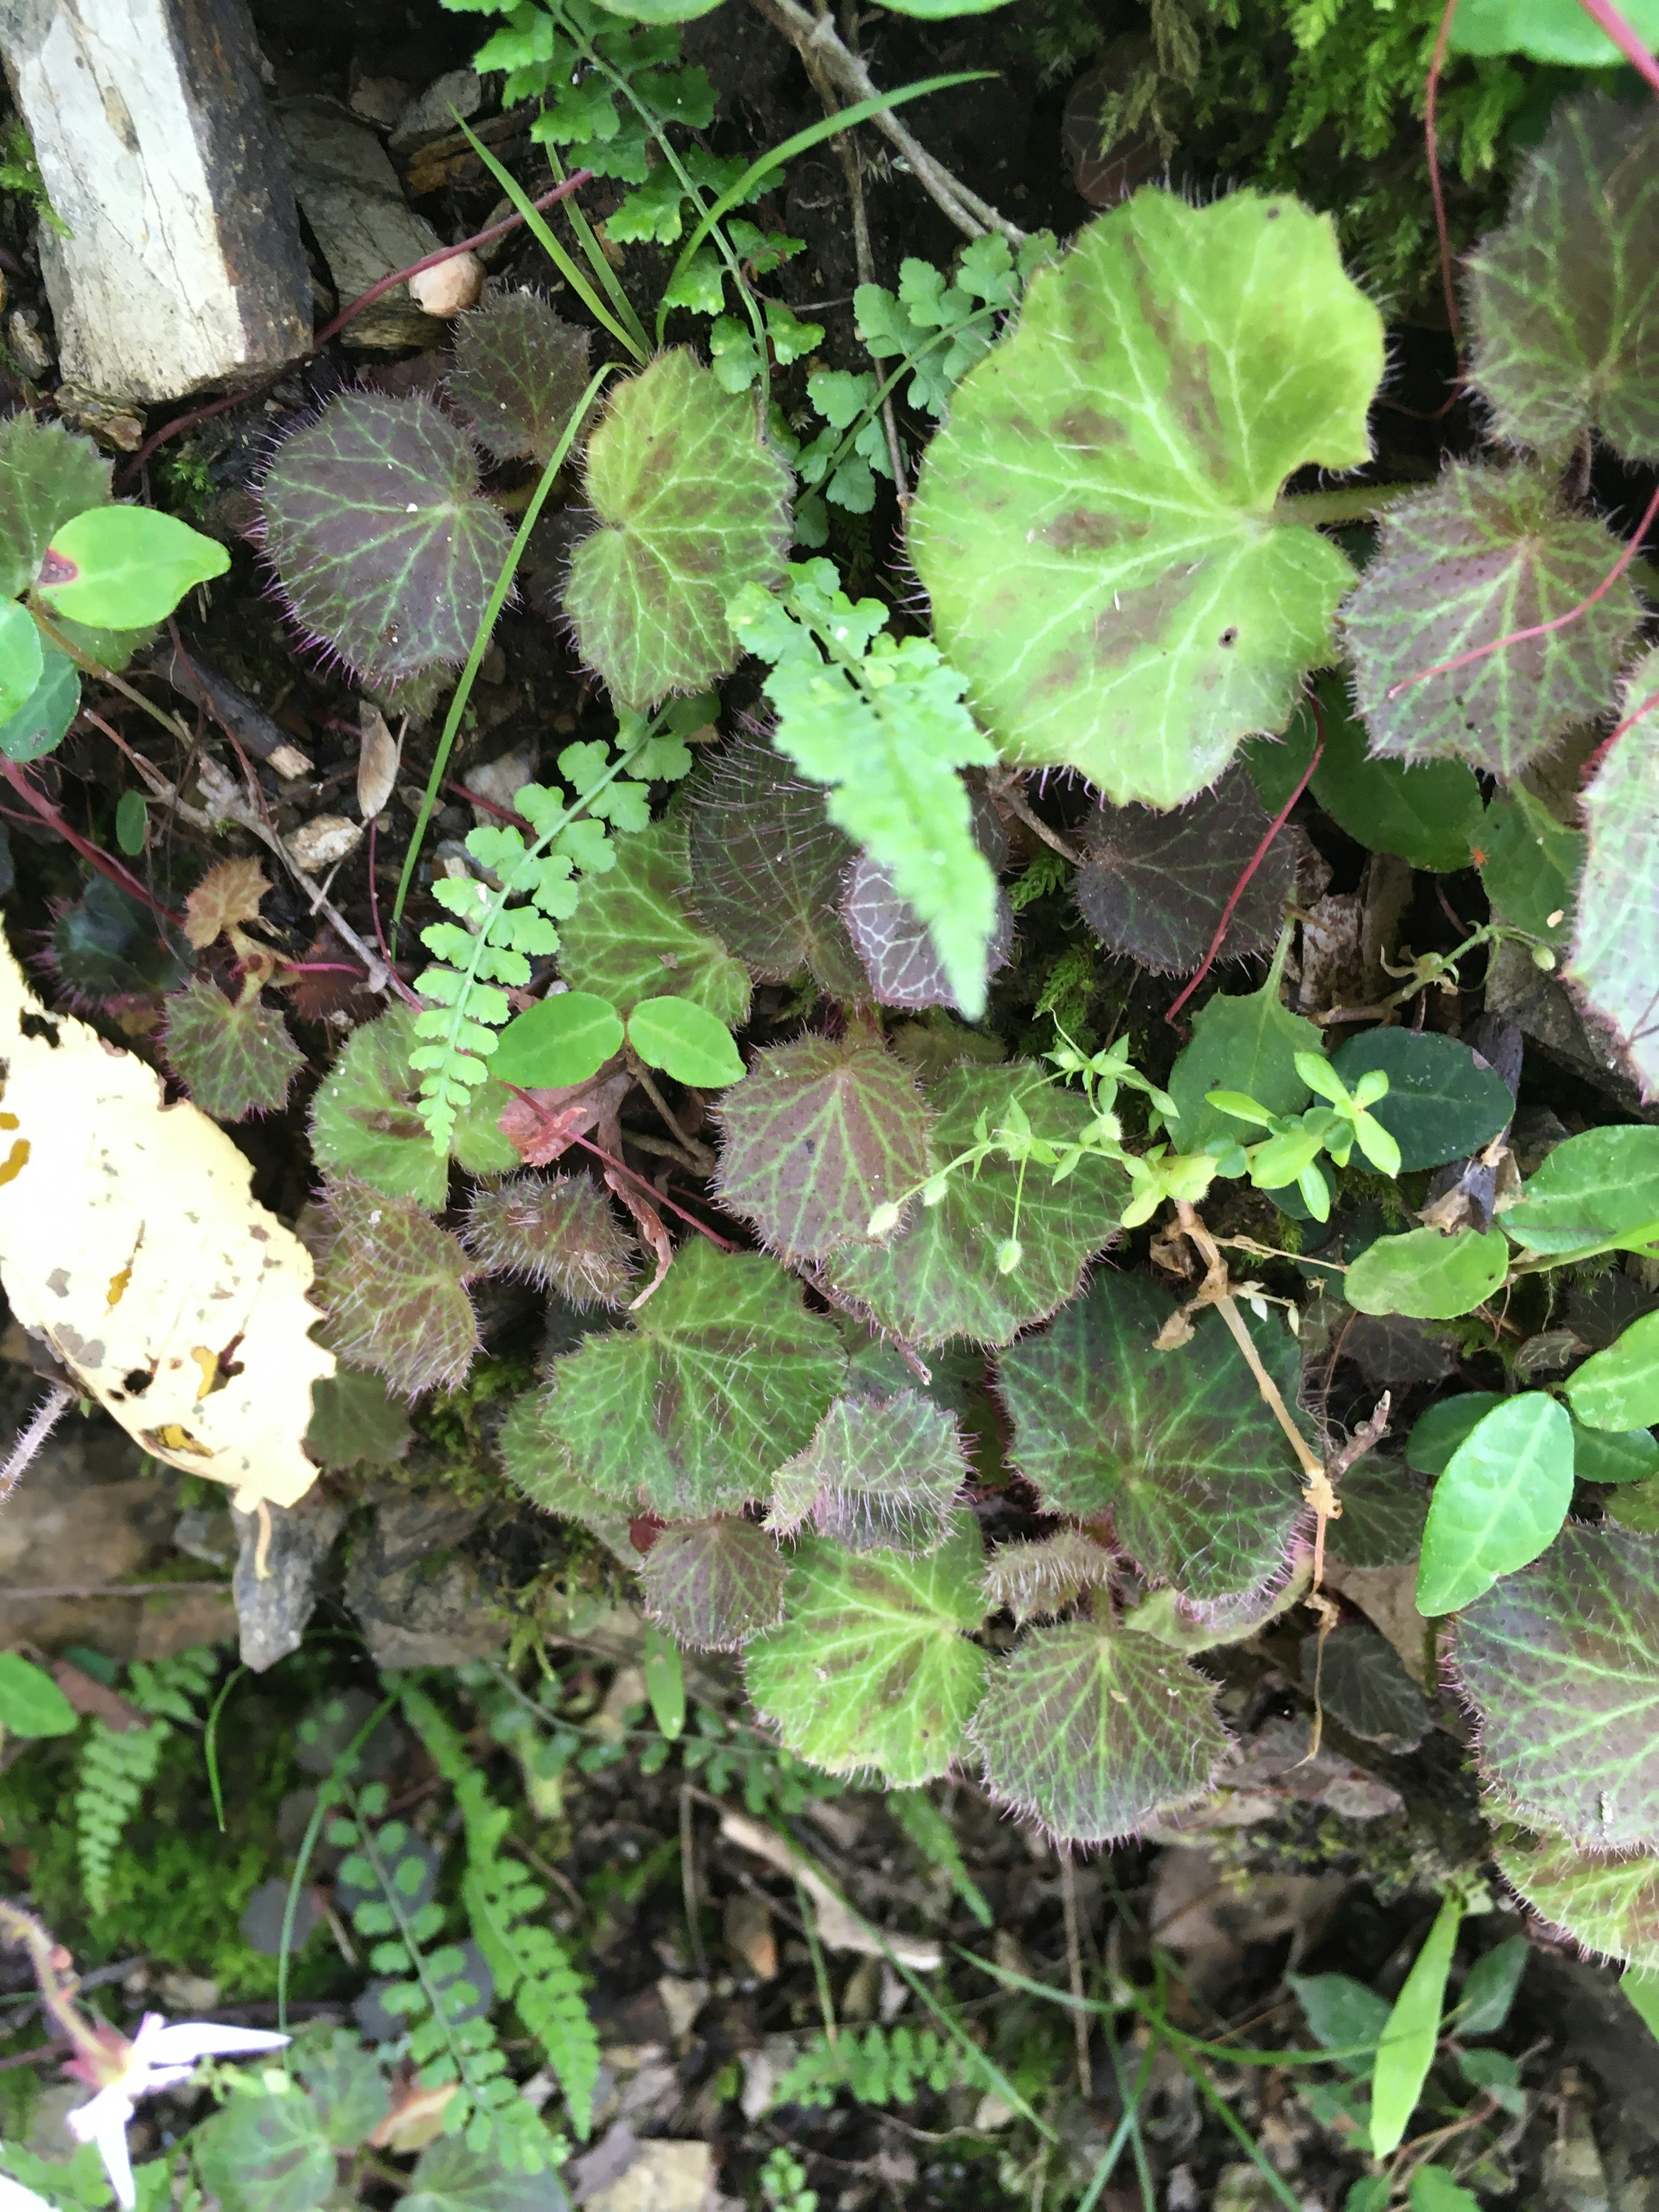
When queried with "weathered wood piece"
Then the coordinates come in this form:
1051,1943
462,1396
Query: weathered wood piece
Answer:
183,266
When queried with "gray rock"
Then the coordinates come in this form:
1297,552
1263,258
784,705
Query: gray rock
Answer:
431,114
272,1610
349,191
419,1605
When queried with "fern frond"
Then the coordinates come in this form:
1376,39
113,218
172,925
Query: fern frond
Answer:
117,1766
883,2066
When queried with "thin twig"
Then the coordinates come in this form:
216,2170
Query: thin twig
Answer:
1081,2018
42,1422
106,1589
686,1149
689,1884
1009,793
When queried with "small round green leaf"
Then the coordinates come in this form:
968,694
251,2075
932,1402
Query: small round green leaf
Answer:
663,11
21,663
125,567
561,1039
38,727
1599,1188
131,823
1440,1104
686,1042
31,1703
1502,1499
1548,30
1429,1276
1619,1389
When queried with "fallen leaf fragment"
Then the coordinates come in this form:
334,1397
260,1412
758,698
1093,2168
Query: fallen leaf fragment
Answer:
229,893
378,757
130,1241
839,1926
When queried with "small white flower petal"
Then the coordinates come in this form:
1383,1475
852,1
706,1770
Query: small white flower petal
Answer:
187,2040
13,2197
104,2121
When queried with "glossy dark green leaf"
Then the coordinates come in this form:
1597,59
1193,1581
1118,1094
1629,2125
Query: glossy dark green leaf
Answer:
1530,865
1489,1990
1501,1500
1429,813
1599,1189
1441,1103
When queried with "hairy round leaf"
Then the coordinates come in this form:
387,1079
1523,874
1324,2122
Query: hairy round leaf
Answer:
1608,1902
538,1462
938,1277
560,1231
47,474
901,958
631,937
1153,886
723,1376
1600,1188
1198,1477
1426,1275
1096,524
233,1060
562,1039
1485,552
1440,1103
1501,1500
265,2154
1561,1662
819,1135
871,1669
692,504
384,543
519,373
355,1422
1034,1578
393,1285
767,864
1564,301
363,1121
880,1475
686,1042
455,2175
715,1584
1615,952
1092,1733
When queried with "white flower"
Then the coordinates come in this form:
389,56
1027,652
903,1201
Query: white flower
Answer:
158,2057
13,2197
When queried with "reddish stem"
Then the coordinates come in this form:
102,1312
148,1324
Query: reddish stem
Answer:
1606,17
1540,629
1253,864
487,237
623,1168
39,804
478,799
1430,109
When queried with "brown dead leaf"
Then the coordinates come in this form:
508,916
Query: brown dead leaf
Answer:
378,757
229,894
839,1926
543,1124
88,1695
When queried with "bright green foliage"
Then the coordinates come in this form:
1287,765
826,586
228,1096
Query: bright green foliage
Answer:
923,1824
1619,1389
1177,1447
39,724
940,329
1439,1104
820,1134
125,567
880,721
1531,864
939,1277
1615,954
1485,552
117,1766
263,2152
684,1041
560,1232
1607,1901
1045,1576
366,1119
536,1461
508,1911
692,506
882,2066
561,1039
1406,2050
1501,1500
1564,299
517,374
1153,886
234,1057
1613,1456
392,1283
1547,30
630,937
490,943
1092,1732
1248,1043
880,1475
47,475
715,1584
871,1668
1426,1275
385,547
1562,1663
31,1703
1600,1190
766,866
1096,524
723,1376
21,663
1438,1432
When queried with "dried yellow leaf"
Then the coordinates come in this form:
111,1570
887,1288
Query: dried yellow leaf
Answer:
129,1239
229,893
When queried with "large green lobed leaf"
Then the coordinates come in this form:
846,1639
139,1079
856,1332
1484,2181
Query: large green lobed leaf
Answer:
1608,1902
871,1668
632,938
880,1475
1098,524
723,1376
1177,1447
1615,953
692,504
